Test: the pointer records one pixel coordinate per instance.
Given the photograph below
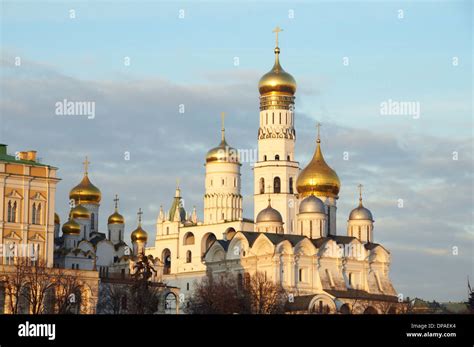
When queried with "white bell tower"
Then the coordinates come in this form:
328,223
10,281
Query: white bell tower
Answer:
276,170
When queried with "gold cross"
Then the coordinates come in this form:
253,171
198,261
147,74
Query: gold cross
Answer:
86,165
360,191
222,122
116,201
318,125
177,183
276,31
140,216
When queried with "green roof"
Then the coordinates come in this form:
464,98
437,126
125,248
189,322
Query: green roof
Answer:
5,157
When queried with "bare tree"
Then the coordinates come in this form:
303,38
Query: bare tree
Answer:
265,296
111,298
15,285
67,291
38,281
221,295
226,294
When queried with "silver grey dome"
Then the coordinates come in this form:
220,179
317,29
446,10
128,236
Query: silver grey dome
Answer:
312,204
361,213
269,214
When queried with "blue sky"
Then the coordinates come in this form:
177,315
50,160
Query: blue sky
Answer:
191,61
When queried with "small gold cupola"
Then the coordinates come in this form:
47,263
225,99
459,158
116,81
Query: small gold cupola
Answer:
223,153
139,235
116,217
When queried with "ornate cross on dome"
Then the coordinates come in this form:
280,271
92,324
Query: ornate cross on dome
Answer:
276,31
222,125
116,200
86,165
318,126
139,216
360,193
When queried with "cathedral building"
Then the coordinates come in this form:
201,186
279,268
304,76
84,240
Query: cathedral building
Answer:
293,239
83,246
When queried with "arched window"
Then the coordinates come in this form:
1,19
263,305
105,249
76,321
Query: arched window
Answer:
262,185
9,212
273,117
300,275
188,256
206,242
264,158
33,214
288,157
277,157
290,184
235,182
280,117
188,239
276,185
14,213
167,230
166,258
360,233
92,221
38,214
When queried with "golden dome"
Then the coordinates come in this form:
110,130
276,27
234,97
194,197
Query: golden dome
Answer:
222,153
80,212
71,228
56,219
277,80
86,192
116,218
318,178
139,234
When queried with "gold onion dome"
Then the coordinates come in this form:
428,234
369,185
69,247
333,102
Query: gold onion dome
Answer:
56,219
222,153
85,191
116,218
80,212
318,178
71,228
277,80
139,234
